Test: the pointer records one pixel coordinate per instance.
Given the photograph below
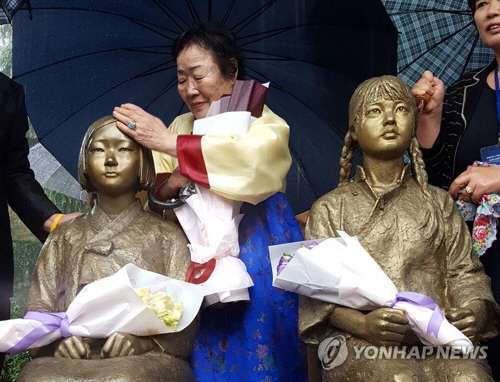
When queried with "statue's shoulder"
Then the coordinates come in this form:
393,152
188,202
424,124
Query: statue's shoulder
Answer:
336,196
71,227
441,197
161,226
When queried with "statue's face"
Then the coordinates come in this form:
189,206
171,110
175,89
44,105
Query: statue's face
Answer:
386,128
113,161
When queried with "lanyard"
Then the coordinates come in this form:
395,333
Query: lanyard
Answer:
497,92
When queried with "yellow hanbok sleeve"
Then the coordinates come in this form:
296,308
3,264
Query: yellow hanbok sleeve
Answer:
247,168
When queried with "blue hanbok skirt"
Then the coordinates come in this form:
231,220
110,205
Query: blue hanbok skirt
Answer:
255,340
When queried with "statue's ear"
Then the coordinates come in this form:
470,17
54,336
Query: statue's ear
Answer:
354,136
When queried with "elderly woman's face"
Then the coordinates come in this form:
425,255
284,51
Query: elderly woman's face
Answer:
487,19
200,81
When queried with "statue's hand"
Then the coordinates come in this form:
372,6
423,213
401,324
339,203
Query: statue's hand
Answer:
464,320
123,344
384,327
73,347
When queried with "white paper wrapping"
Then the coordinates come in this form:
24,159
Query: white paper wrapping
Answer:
211,221
111,305
340,271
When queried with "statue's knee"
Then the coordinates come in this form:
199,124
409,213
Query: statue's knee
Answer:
405,377
127,376
471,372
472,377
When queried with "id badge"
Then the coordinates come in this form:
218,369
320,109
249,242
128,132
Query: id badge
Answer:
490,154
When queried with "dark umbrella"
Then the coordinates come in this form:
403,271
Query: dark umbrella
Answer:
436,35
78,59
8,8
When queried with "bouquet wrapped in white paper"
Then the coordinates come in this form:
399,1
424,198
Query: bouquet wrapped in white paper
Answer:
106,306
211,221
211,225
341,271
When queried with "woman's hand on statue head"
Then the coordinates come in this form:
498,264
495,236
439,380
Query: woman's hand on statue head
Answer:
123,344
385,327
464,320
433,86
73,347
145,129
476,182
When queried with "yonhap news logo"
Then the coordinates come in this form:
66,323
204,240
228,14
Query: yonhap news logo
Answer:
333,352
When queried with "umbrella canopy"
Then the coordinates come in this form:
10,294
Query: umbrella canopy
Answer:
78,59
52,175
436,35
8,8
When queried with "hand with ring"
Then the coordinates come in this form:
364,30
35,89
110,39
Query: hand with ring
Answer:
476,182
145,129
131,125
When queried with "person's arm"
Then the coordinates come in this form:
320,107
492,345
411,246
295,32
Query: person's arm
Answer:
54,220
429,119
24,194
247,168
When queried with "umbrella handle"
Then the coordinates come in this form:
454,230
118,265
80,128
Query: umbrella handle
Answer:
184,193
168,205
422,100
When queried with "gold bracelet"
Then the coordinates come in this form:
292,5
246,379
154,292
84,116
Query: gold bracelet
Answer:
56,222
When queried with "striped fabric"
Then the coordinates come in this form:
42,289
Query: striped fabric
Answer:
436,35
8,8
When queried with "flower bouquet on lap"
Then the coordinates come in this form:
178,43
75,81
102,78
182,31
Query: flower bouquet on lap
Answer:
341,271
109,305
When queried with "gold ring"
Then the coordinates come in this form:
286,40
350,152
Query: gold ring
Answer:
469,190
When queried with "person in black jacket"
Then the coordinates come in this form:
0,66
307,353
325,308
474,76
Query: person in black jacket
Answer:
455,125
18,187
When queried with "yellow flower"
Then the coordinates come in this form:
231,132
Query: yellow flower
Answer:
162,306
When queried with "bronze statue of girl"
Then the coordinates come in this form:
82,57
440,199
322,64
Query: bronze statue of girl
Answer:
117,231
414,232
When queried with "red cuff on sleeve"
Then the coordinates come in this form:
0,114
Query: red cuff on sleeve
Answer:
191,162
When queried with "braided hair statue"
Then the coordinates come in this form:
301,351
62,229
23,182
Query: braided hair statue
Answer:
374,90
413,231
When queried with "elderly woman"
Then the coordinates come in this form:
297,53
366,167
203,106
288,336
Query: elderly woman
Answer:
453,128
244,340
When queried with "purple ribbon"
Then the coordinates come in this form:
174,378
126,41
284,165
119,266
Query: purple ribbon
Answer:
418,299
51,322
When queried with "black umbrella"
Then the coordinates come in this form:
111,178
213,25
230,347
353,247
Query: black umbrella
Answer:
78,59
